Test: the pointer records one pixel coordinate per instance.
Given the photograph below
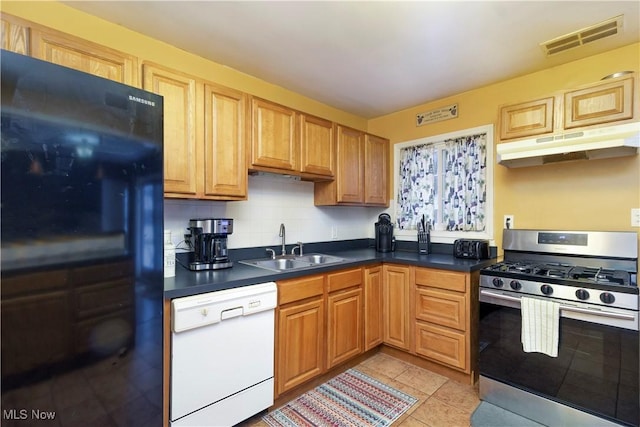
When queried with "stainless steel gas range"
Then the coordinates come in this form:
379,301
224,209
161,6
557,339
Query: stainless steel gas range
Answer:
590,279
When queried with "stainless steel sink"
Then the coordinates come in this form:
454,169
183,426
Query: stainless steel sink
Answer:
294,262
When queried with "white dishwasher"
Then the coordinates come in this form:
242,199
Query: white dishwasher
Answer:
222,355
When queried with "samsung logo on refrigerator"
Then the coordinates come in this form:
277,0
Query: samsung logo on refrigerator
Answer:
142,101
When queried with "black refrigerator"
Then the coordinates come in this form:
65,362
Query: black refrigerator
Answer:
81,248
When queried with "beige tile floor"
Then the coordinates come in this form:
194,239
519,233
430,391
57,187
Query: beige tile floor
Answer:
442,402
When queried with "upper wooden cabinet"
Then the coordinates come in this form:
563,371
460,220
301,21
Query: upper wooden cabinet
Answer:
598,103
15,35
204,136
274,146
225,165
376,167
362,164
79,54
180,134
317,147
527,119
604,102
350,179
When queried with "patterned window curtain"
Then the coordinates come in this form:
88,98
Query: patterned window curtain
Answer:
464,183
418,187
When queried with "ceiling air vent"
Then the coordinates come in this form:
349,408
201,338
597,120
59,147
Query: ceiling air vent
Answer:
607,28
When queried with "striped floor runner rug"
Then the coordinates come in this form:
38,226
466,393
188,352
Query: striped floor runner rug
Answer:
350,399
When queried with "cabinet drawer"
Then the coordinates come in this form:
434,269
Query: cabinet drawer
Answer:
299,289
448,280
107,271
30,283
441,345
344,279
441,307
104,297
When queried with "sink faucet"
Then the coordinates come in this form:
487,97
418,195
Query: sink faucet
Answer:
282,234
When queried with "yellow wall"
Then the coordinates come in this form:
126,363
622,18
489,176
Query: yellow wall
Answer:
71,21
588,195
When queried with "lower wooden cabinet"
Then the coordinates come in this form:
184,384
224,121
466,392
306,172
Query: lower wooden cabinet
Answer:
396,304
300,337
58,314
372,307
344,326
443,317
300,343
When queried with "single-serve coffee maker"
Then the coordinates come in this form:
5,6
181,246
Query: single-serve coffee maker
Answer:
208,239
385,242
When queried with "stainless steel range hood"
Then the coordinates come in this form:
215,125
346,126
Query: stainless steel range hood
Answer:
610,141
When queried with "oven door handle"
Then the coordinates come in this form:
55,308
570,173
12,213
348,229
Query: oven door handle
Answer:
565,307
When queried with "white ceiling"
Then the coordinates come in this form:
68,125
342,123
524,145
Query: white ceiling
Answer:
373,58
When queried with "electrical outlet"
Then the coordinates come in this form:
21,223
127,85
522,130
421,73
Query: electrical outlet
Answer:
635,217
508,222
334,232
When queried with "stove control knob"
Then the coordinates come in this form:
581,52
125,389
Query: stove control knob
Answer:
607,298
546,289
582,294
515,285
498,283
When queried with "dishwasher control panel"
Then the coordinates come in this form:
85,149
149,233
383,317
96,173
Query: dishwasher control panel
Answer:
213,307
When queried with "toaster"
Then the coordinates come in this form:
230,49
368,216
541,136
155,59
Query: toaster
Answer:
469,248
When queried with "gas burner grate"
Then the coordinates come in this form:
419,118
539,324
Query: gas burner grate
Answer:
601,275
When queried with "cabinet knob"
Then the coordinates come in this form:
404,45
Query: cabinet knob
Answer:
204,312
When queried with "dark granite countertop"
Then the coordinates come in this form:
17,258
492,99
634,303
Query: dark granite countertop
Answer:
357,254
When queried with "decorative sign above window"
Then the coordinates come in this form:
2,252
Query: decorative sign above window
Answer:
437,115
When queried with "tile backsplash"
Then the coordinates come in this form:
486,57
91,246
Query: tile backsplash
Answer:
274,200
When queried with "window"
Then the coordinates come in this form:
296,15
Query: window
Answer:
449,179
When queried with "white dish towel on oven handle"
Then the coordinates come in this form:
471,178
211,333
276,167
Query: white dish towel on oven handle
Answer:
540,325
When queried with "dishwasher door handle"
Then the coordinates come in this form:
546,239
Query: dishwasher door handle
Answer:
231,312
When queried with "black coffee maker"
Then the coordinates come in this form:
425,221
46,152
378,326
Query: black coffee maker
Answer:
385,242
209,242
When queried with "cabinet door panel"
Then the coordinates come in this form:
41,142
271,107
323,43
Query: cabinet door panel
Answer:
179,92
372,307
273,137
299,344
441,307
376,154
344,330
316,145
602,103
225,168
41,326
442,345
84,56
396,305
527,119
15,35
350,179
